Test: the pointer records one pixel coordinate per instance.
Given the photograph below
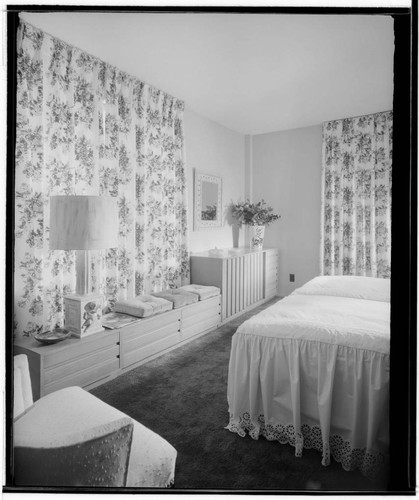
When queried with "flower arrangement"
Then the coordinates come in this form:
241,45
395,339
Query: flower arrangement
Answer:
254,214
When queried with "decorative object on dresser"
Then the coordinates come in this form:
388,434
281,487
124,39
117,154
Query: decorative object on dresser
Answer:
207,201
257,216
246,277
83,223
53,336
256,235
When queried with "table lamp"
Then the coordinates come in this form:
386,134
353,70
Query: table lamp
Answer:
83,223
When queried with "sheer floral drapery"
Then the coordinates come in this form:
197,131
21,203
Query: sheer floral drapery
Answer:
85,127
356,196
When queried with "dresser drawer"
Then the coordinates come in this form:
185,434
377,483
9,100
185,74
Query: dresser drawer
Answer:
271,265
200,307
212,312
131,356
78,364
196,328
132,342
271,275
79,347
200,317
147,337
85,377
148,325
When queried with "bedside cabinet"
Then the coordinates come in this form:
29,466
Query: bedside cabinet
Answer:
84,362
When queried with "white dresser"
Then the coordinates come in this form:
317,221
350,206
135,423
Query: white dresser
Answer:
246,277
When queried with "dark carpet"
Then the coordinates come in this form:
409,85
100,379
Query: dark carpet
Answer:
182,396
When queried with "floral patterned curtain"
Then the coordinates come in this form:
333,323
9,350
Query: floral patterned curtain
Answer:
356,197
86,128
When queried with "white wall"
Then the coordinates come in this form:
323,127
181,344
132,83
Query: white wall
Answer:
287,174
216,150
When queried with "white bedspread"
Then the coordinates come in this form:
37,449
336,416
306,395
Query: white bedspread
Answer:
362,324
313,371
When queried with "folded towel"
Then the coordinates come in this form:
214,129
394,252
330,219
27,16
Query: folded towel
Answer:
203,291
143,306
179,297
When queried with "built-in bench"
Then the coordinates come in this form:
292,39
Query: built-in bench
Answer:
124,345
151,336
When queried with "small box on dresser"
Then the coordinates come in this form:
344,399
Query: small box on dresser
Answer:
83,314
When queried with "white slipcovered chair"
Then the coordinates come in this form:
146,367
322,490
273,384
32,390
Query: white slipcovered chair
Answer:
72,438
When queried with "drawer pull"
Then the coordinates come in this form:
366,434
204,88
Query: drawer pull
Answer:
117,356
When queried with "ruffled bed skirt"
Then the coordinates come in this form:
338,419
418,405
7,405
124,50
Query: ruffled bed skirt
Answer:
310,394
369,462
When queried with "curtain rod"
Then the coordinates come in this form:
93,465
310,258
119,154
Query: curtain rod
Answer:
22,21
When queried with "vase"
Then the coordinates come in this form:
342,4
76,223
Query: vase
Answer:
256,234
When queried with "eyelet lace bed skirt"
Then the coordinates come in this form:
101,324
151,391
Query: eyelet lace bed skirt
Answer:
369,462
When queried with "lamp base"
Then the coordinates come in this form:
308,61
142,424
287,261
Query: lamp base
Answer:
83,314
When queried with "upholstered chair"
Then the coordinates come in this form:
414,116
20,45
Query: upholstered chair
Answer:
72,438
56,456
52,448
23,398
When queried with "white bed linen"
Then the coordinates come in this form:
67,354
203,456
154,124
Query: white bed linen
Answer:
313,371
356,287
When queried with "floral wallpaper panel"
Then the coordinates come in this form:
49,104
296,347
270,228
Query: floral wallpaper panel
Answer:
356,199
86,128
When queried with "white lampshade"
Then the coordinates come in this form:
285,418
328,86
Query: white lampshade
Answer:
83,222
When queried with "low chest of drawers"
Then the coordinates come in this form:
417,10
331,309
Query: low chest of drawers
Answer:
246,277
70,362
95,359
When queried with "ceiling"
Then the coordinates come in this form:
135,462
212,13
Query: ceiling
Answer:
252,73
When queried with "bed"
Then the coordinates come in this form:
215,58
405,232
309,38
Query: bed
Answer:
312,371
